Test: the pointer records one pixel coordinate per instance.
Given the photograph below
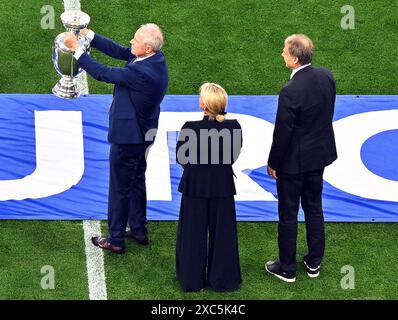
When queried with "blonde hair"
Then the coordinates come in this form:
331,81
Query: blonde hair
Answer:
215,99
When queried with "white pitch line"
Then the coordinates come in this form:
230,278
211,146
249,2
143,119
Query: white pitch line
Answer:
82,83
72,5
94,256
95,262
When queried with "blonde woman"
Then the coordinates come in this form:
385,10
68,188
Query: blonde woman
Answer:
207,244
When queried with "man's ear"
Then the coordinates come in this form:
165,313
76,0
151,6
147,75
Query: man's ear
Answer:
149,49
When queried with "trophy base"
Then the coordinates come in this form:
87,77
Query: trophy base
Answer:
66,88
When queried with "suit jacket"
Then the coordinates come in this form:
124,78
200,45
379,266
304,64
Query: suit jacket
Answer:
208,163
303,138
139,89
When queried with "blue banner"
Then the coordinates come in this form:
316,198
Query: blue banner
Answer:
54,158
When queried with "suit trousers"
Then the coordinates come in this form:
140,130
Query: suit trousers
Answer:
127,191
207,244
292,188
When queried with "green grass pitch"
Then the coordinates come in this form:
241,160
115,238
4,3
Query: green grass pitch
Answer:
237,44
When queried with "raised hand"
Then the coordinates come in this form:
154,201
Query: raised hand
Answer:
70,41
84,31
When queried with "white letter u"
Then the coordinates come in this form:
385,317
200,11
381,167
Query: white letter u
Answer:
59,157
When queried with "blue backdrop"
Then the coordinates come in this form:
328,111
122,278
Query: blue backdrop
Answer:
87,198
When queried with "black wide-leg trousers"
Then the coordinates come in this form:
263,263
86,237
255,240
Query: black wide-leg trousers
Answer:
306,187
207,244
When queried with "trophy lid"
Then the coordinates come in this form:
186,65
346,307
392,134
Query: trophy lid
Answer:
75,19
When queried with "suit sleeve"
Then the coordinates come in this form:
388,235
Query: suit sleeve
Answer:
127,76
111,48
283,130
237,142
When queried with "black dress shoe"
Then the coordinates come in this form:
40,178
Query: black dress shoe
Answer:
275,269
141,239
103,243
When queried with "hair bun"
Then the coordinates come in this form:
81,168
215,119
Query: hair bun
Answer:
220,118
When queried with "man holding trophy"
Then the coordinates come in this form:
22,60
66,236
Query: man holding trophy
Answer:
140,87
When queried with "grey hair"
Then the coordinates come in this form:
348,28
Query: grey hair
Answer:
153,35
301,47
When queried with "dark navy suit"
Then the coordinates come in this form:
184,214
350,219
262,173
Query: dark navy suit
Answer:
139,89
303,144
207,242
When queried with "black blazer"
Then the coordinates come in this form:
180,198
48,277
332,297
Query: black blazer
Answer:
208,163
303,138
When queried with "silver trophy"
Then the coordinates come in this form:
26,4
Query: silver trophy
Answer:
64,62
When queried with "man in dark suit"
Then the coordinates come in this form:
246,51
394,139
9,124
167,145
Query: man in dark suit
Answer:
303,144
134,113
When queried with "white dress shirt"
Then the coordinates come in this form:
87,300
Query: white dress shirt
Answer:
143,58
298,69
90,36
